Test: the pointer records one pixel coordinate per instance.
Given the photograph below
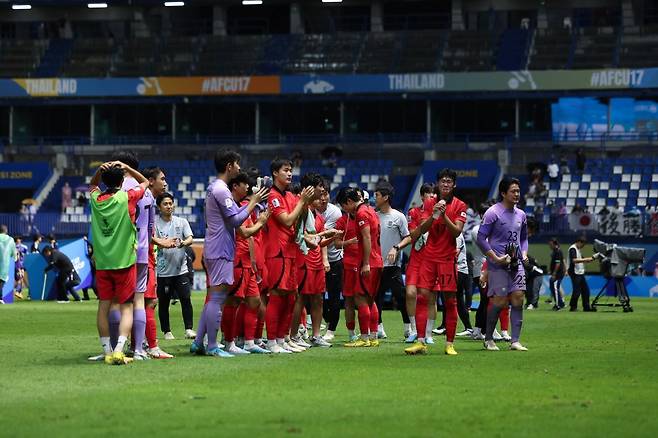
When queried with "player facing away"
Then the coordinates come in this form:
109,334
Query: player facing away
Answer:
438,272
364,279
115,241
280,254
503,238
222,218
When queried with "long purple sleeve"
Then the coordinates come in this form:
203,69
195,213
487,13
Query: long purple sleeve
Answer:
237,219
486,227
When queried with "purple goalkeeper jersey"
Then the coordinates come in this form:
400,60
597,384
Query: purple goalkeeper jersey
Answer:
223,216
144,219
501,227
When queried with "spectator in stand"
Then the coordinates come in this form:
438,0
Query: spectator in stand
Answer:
581,159
67,199
577,209
53,241
82,200
553,169
564,165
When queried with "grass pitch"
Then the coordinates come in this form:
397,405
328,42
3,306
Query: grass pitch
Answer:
586,374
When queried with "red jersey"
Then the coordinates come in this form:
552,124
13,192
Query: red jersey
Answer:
242,244
313,260
351,255
259,241
280,240
415,219
441,246
367,217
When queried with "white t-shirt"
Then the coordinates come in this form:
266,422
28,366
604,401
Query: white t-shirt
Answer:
462,263
172,262
394,227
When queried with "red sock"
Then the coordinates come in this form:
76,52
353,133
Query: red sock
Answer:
151,328
238,327
251,323
421,315
364,319
504,318
286,316
374,318
451,316
228,322
272,315
351,325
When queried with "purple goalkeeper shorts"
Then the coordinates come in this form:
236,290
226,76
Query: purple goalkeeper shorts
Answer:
220,271
142,278
503,282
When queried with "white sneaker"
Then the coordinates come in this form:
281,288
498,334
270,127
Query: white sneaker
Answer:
517,346
289,347
295,345
530,307
506,336
156,353
329,336
491,346
320,342
477,335
467,332
439,331
496,336
169,336
300,342
99,358
276,349
190,334
234,349
140,355
429,340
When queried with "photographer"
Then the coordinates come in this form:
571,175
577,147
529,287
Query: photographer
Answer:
67,278
557,273
576,270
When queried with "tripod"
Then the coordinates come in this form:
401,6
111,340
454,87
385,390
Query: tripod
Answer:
620,292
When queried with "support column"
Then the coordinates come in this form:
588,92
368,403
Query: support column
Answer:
376,17
517,114
173,123
257,127
92,125
428,123
296,22
341,109
219,20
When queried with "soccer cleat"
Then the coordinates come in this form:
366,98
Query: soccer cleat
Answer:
218,352
236,351
374,342
506,337
156,353
490,346
18,295
262,344
477,335
255,349
278,349
169,336
329,336
300,342
467,332
496,336
429,340
354,338
190,334
439,331
359,343
99,358
517,346
197,349
417,348
530,307
319,341
140,355
411,338
288,347
450,350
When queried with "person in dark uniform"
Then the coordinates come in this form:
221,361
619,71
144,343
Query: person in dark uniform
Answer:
67,278
92,267
557,273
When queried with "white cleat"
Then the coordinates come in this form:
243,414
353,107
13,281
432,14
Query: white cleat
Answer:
491,346
530,307
477,335
99,358
235,350
320,342
439,331
157,353
517,346
506,337
464,333
169,336
300,342
140,355
190,334
329,336
496,336
294,346
276,349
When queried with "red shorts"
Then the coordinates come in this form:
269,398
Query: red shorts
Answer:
413,272
355,283
311,281
438,276
151,285
281,274
116,284
244,284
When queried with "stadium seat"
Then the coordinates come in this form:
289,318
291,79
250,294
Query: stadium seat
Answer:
566,178
612,193
626,177
617,170
586,177
636,178
181,187
185,180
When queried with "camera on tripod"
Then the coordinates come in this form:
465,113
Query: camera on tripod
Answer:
614,266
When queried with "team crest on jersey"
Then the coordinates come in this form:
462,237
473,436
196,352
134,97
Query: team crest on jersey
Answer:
228,202
463,214
276,203
362,223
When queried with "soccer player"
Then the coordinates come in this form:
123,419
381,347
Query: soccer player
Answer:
394,229
365,279
349,244
334,277
280,254
115,240
19,270
503,238
242,305
172,264
222,218
557,273
438,273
